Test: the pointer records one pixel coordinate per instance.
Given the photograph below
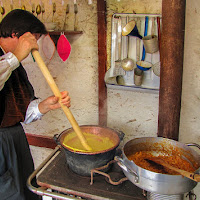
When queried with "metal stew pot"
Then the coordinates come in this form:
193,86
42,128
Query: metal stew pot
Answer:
82,162
152,181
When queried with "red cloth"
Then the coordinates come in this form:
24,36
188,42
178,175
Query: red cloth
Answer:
63,47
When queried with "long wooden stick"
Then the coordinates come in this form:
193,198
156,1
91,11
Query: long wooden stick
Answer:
57,93
190,175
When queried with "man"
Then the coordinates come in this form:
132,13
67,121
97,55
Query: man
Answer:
19,31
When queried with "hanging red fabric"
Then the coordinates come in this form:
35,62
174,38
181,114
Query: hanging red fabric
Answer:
63,47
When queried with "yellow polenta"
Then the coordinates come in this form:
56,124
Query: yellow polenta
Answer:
96,142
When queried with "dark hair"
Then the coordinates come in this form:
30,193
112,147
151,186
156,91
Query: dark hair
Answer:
19,22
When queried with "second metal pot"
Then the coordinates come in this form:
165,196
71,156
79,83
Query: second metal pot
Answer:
152,181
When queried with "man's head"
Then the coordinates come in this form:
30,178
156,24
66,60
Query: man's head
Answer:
18,22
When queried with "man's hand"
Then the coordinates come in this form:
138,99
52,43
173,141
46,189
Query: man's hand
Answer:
52,103
26,43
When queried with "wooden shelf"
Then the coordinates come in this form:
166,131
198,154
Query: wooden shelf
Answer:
65,32
133,88
56,34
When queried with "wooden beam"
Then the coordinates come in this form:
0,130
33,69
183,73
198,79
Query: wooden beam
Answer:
41,141
102,65
172,53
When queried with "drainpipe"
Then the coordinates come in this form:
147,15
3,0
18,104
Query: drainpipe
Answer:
172,54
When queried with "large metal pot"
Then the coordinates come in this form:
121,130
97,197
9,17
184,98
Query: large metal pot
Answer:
152,181
82,162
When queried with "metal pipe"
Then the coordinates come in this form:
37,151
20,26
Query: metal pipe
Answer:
172,52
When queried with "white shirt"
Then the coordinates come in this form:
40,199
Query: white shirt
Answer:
8,63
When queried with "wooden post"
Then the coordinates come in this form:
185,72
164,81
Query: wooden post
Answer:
172,53
102,58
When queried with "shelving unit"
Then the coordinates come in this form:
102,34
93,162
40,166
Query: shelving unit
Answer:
151,82
65,32
132,88
56,34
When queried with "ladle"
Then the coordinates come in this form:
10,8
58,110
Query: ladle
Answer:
66,12
38,9
75,15
54,10
57,93
118,62
156,66
11,7
33,8
128,64
145,34
23,7
2,10
43,9
190,175
144,65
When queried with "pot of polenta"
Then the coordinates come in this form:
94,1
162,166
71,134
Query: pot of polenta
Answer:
102,140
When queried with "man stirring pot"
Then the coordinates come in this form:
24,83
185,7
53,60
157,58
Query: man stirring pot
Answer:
19,32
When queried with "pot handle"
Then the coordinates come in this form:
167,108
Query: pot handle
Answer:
193,144
121,163
56,138
121,135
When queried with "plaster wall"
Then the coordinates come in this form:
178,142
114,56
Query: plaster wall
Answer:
134,113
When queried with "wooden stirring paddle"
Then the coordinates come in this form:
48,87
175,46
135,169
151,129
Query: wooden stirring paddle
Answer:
190,175
57,93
